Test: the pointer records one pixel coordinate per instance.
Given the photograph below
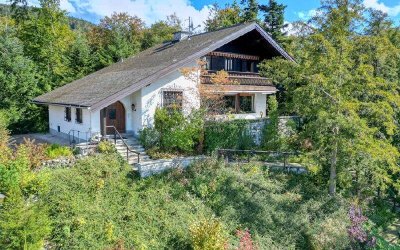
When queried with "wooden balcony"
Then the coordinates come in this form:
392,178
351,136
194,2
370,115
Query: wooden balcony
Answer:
239,78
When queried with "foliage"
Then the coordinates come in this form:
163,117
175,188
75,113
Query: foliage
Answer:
173,132
207,234
19,84
24,222
349,99
229,134
55,151
223,17
271,138
274,19
106,147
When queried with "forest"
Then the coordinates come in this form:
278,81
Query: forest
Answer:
344,84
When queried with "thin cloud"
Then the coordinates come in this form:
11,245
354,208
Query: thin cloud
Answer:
375,4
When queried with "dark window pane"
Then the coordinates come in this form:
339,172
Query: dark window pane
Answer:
112,114
79,115
217,63
246,104
67,115
229,101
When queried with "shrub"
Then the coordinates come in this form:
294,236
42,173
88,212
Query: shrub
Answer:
229,134
55,151
23,225
207,234
106,147
149,137
271,138
173,132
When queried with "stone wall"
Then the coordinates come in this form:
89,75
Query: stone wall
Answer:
255,127
147,169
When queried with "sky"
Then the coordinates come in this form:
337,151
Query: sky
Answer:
154,10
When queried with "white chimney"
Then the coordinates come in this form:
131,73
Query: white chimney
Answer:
181,35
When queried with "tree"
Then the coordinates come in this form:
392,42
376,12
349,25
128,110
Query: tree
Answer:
347,97
274,19
80,58
159,32
46,37
250,10
223,17
18,84
116,37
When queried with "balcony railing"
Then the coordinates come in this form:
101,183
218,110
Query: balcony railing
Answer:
241,78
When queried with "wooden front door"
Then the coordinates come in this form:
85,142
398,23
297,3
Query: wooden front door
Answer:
115,117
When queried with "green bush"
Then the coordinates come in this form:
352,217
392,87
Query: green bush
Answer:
173,132
106,147
230,134
55,151
271,137
149,138
207,234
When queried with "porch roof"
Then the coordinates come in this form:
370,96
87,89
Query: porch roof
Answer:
118,80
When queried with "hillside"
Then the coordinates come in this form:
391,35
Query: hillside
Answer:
74,23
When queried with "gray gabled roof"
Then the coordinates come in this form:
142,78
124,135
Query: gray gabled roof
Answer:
118,80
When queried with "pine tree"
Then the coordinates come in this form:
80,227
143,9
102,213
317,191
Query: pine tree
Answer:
274,20
250,10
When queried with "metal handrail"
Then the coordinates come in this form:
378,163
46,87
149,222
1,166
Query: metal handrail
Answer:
126,145
73,142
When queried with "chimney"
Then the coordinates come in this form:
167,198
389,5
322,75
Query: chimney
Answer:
181,35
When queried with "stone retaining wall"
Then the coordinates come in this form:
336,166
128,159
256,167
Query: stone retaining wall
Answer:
147,169
255,127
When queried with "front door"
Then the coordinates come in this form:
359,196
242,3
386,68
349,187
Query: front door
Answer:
115,116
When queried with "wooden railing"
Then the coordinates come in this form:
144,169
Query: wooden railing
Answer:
128,150
242,78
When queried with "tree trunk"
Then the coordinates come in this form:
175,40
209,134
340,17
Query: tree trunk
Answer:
332,175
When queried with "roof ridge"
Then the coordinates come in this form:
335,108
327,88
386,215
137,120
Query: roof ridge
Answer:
224,28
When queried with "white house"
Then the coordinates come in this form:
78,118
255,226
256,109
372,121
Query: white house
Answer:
126,94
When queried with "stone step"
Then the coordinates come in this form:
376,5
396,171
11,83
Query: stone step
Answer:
137,149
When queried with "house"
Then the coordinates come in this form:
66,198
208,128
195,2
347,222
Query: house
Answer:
126,94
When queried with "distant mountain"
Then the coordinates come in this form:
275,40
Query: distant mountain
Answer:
74,23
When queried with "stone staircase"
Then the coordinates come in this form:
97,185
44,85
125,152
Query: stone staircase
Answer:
134,145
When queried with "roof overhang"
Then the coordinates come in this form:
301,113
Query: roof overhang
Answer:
61,104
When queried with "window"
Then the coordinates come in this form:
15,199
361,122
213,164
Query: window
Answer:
112,114
239,103
173,99
78,114
67,114
208,63
230,102
228,64
246,103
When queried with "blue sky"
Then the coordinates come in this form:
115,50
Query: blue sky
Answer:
154,10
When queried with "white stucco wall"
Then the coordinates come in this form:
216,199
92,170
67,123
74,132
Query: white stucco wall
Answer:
90,122
152,95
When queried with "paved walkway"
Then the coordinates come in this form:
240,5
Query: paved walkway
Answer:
41,138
